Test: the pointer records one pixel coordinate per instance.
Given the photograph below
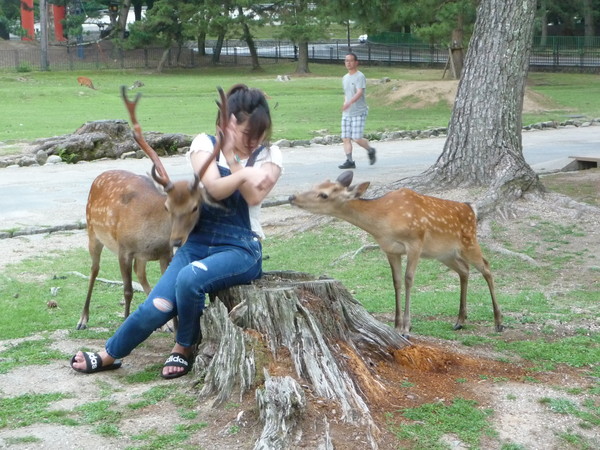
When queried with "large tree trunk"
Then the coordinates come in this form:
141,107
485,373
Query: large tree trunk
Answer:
588,22
218,47
543,23
123,14
201,40
250,41
484,145
302,66
294,342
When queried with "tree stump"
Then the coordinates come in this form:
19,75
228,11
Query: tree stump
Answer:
307,348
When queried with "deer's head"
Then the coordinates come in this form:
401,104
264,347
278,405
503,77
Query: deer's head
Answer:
329,196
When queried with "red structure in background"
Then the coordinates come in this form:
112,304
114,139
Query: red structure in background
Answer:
59,15
27,20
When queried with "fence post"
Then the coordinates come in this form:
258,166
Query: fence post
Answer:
146,57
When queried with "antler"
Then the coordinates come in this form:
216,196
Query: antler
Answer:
162,177
223,122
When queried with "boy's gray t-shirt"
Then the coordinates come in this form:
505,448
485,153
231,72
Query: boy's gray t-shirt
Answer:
351,83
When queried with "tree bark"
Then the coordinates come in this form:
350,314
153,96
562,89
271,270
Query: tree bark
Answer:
123,14
484,147
295,340
302,66
250,41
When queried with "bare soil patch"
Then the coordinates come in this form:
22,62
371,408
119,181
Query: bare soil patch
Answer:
420,94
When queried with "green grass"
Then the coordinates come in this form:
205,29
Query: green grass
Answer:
44,104
428,423
24,410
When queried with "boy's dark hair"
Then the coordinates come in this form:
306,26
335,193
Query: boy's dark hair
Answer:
353,55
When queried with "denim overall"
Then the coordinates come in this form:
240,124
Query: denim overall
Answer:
221,251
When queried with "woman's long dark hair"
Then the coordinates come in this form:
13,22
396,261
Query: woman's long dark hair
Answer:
250,105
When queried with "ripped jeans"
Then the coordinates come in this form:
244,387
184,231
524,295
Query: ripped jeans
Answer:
209,261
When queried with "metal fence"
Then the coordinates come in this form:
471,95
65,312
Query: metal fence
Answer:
105,55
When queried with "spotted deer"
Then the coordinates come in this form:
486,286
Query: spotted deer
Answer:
136,220
404,222
85,81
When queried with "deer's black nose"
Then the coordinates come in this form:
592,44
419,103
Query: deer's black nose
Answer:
177,243
291,198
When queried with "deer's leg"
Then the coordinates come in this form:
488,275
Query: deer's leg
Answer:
412,259
164,262
484,267
461,267
125,264
139,267
396,266
95,248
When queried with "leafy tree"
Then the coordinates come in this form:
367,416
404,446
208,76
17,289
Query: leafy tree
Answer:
163,25
10,14
301,21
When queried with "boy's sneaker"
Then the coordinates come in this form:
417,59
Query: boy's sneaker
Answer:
372,158
348,165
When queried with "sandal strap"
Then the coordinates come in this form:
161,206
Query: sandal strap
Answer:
177,360
93,362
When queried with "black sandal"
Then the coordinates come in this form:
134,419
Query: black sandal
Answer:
93,363
176,360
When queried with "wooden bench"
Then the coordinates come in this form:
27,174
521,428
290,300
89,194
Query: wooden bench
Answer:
584,162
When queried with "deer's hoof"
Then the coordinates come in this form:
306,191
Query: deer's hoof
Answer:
500,328
458,326
81,326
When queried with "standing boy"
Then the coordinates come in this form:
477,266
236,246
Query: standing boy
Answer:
354,112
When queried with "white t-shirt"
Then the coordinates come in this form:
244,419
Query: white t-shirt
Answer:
203,143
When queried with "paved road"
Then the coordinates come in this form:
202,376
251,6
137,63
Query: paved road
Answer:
54,195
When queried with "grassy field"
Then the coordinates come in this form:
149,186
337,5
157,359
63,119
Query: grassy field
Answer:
44,104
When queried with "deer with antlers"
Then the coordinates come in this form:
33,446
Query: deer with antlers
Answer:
136,220
404,222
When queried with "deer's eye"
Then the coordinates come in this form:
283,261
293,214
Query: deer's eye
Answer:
323,195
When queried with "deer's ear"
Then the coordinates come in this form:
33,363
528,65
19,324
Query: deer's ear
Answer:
345,178
358,190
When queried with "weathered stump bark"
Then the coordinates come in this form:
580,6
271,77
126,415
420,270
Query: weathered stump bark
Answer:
296,341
